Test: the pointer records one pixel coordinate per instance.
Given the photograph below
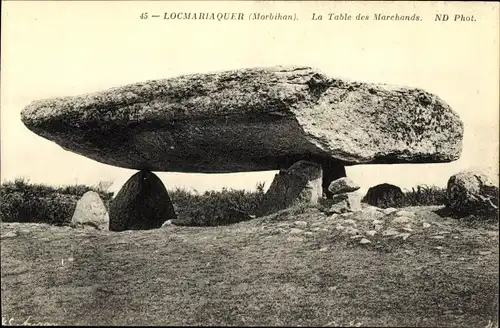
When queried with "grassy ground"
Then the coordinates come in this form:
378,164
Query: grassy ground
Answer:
297,267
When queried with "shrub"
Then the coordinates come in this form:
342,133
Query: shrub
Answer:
215,207
391,199
22,201
425,196
38,203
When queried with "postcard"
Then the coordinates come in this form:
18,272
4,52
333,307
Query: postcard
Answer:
264,163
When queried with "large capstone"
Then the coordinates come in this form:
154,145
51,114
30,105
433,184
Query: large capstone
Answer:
251,120
141,204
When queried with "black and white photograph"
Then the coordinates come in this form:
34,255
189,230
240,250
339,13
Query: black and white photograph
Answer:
250,163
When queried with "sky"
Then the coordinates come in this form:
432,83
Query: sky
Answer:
52,49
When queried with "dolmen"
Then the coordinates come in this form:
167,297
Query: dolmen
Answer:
252,119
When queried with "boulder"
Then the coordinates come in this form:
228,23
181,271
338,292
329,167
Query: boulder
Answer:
346,202
331,172
251,120
142,203
301,183
342,185
383,195
472,192
90,212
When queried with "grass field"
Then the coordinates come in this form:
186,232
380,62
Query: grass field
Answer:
297,267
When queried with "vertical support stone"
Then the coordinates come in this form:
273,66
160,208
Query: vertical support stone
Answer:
300,183
141,204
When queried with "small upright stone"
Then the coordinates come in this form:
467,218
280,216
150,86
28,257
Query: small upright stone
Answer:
347,202
142,203
90,212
